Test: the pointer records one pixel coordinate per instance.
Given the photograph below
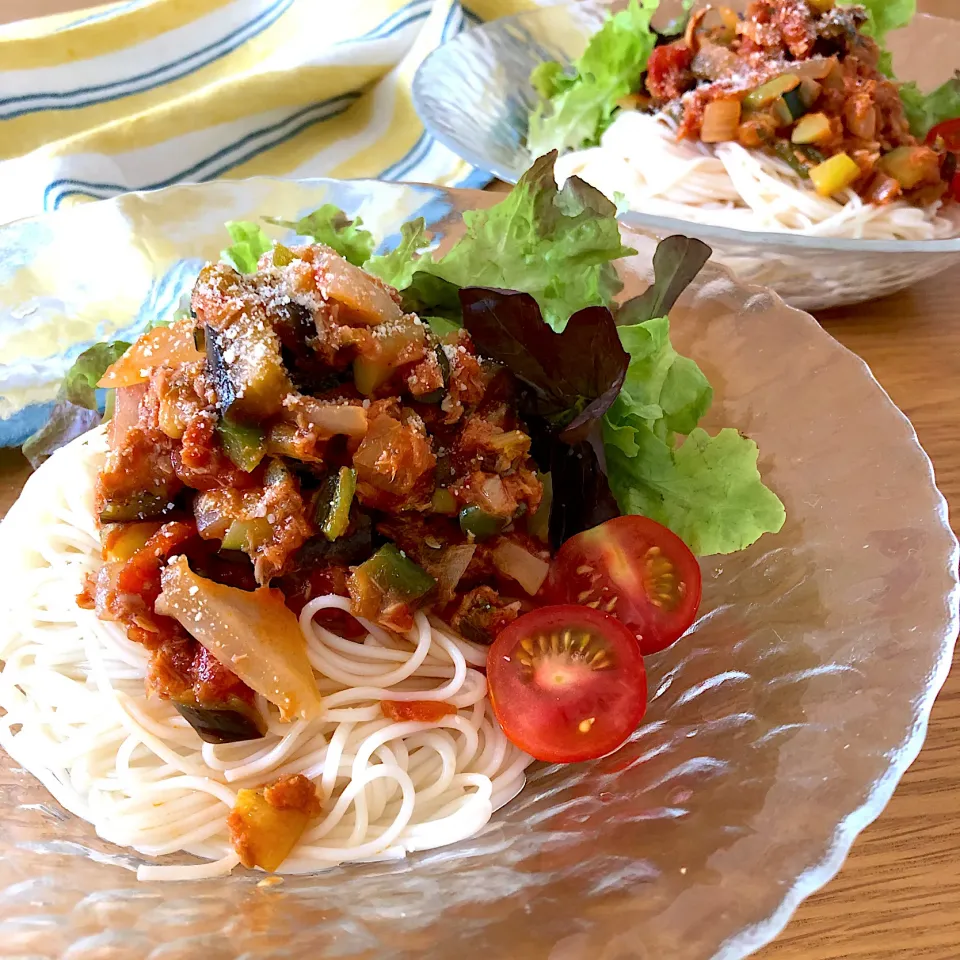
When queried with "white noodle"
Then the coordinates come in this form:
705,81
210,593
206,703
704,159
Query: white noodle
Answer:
76,715
729,186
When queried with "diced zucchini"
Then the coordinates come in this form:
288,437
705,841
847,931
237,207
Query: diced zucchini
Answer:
246,535
476,521
333,507
397,578
122,540
232,721
794,102
770,91
282,256
443,502
368,375
277,472
834,175
246,368
245,446
139,506
267,833
813,128
911,166
393,349
538,525
781,113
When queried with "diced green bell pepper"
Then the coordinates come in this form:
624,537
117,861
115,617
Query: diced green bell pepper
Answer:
480,523
396,576
245,446
333,507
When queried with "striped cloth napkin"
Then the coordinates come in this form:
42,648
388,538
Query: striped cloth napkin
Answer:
146,93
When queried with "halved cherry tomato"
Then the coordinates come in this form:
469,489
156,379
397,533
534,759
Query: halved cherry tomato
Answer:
949,133
949,130
636,570
567,683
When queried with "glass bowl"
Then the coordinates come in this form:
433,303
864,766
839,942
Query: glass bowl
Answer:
473,94
777,729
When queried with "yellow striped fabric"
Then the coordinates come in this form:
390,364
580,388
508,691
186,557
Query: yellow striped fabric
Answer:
141,94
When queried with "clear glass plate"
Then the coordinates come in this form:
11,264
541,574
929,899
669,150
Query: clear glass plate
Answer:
777,729
473,94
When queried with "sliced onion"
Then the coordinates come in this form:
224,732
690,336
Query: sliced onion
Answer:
331,419
721,121
253,634
173,345
126,412
106,589
492,497
520,565
212,514
453,565
816,68
366,300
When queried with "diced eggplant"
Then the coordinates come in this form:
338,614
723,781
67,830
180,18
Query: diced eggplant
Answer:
232,721
247,370
437,395
347,550
297,332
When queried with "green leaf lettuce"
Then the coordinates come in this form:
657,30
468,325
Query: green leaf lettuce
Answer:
331,226
925,111
706,489
556,245
249,244
75,409
579,106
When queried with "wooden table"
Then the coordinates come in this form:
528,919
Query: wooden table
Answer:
898,894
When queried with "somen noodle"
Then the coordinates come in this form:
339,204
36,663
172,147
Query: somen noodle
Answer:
727,185
77,716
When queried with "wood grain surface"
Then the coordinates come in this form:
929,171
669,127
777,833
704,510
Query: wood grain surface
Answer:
898,895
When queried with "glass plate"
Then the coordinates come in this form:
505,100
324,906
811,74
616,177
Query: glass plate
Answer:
473,94
777,729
